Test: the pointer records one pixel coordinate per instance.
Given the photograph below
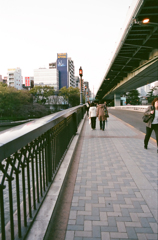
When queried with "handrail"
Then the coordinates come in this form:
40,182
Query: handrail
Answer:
30,156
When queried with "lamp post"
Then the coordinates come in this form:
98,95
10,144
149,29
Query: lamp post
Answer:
145,21
85,94
81,74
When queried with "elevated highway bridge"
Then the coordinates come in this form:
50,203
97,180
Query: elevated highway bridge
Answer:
135,61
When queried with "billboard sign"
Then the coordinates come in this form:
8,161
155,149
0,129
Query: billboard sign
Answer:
27,81
62,68
61,55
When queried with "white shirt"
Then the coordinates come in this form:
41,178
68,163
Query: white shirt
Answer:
92,112
155,121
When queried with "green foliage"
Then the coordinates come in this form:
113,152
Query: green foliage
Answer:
132,97
70,95
17,104
150,94
41,94
64,92
74,96
12,99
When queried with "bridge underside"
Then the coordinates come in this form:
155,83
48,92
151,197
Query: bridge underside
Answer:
135,61
148,73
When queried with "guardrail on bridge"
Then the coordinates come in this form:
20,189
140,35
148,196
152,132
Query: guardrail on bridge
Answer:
30,156
140,108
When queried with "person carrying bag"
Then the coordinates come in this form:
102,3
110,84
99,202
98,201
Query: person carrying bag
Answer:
151,119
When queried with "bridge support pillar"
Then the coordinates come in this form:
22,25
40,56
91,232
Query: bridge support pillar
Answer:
116,99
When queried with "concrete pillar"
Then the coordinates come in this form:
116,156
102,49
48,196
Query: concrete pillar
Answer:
117,100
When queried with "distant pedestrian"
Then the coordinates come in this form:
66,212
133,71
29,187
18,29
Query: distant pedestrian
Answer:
92,115
101,115
152,124
87,107
106,110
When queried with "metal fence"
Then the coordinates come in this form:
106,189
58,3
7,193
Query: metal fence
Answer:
30,156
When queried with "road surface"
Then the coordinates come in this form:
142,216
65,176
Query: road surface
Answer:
131,117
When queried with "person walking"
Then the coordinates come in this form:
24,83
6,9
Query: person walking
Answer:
105,109
92,115
101,115
87,107
152,124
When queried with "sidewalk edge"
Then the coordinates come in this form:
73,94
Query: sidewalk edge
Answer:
41,223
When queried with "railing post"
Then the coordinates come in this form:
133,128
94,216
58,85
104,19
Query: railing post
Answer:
75,122
18,202
2,187
11,208
49,157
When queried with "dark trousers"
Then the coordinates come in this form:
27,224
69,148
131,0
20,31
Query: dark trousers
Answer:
148,133
87,109
93,122
102,125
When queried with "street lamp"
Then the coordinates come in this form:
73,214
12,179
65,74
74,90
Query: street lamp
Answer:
145,21
81,74
85,94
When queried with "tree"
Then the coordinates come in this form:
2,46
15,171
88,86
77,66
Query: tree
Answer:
132,97
12,99
70,95
41,94
17,104
64,92
74,96
150,94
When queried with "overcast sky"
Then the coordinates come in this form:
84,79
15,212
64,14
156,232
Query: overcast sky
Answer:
32,32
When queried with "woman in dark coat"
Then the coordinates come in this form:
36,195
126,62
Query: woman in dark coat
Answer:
152,124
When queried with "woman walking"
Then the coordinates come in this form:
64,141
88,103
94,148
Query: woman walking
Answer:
101,115
152,124
92,115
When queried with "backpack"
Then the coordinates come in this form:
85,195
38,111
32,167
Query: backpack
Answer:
106,112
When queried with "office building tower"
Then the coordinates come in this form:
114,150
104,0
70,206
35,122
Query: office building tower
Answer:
14,78
66,69
49,77
71,72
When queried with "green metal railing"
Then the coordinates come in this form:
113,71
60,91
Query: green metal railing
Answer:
30,156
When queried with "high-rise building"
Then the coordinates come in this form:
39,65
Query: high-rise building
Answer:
14,78
77,81
66,70
50,77
71,73
62,66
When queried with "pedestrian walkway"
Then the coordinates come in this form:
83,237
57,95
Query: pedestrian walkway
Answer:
114,196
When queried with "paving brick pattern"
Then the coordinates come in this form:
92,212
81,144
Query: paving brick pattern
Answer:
115,195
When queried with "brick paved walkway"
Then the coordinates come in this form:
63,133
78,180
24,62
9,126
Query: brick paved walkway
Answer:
115,194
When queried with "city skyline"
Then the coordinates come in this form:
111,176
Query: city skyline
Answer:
35,31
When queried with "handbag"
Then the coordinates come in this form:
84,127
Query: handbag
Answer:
106,112
146,118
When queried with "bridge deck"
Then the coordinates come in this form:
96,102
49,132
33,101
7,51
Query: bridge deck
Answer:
111,191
